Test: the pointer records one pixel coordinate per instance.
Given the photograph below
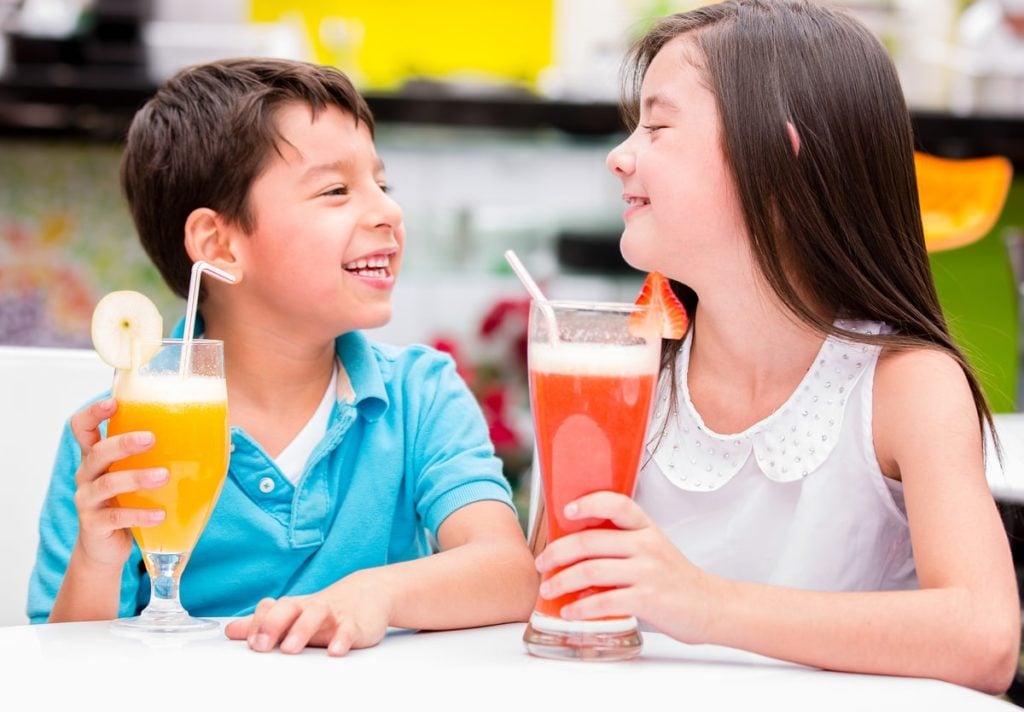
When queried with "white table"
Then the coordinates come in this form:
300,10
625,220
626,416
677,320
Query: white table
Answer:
85,666
1007,483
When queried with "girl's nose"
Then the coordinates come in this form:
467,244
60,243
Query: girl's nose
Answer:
621,160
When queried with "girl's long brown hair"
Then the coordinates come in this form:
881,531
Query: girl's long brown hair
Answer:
841,218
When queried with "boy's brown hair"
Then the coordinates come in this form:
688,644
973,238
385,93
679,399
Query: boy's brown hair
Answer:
203,139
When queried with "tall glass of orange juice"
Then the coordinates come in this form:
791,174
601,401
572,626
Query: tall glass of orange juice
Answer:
592,370
185,407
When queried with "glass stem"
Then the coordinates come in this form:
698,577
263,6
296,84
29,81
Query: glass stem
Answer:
165,574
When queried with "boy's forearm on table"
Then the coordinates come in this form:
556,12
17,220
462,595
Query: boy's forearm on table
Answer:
482,582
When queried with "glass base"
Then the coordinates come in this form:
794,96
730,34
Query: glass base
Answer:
173,622
616,639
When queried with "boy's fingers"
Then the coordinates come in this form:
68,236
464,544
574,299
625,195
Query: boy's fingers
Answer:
92,495
343,639
256,619
274,621
238,629
98,459
110,519
85,424
303,629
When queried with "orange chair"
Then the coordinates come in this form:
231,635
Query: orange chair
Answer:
969,210
961,199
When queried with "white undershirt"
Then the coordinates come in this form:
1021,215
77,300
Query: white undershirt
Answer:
292,460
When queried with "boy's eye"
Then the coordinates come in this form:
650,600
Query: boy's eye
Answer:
337,190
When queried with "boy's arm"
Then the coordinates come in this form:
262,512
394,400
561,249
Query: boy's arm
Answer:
66,583
58,529
484,573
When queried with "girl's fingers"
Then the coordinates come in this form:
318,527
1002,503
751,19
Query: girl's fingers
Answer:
620,509
587,574
611,603
98,459
588,544
85,424
95,494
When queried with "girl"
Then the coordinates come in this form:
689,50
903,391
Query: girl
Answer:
815,487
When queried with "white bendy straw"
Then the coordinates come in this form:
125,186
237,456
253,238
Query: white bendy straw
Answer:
534,291
192,305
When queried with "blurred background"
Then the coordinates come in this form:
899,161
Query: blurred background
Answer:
494,122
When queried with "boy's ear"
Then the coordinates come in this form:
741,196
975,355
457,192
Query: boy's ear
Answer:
794,138
209,238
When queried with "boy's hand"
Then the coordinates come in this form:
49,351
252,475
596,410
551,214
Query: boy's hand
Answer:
104,537
343,616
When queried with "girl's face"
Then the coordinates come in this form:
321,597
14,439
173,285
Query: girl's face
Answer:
683,216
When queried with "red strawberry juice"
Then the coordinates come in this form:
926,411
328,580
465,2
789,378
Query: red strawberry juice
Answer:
591,404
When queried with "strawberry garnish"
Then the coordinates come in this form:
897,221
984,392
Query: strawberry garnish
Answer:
665,306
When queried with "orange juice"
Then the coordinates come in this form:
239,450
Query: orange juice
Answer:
189,418
591,405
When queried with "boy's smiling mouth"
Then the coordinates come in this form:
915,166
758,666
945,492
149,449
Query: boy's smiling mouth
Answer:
371,266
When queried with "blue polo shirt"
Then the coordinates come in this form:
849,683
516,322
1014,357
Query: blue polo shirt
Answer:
408,451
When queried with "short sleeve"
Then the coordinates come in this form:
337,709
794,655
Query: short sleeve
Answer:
453,454
58,530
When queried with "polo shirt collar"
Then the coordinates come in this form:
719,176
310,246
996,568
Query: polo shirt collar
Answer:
364,372
357,356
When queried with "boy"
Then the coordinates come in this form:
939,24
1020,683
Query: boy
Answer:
344,452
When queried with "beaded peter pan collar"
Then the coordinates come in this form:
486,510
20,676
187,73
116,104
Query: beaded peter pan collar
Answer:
788,445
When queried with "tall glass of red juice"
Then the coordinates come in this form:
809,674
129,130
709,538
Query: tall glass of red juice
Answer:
592,369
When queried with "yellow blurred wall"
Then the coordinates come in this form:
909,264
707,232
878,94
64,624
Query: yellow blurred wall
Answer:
383,43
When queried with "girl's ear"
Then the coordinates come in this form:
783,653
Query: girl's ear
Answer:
794,138
209,238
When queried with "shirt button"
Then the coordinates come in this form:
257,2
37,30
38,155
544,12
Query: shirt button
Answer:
266,485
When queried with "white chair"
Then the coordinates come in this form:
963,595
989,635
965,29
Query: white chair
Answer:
40,388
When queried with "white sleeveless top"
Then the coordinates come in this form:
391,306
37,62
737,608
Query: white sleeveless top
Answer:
795,500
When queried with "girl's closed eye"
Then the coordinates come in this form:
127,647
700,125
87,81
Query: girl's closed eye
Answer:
386,187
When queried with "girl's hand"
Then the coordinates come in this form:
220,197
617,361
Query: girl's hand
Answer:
344,616
649,577
104,537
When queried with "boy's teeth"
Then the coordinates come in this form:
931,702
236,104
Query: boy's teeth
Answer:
372,263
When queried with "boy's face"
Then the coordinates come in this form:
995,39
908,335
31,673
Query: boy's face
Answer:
327,242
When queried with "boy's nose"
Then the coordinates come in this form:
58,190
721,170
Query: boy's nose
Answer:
621,160
386,213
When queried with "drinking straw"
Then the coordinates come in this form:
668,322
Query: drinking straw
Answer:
192,305
534,291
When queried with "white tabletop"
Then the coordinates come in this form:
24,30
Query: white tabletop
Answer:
1007,482
86,665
